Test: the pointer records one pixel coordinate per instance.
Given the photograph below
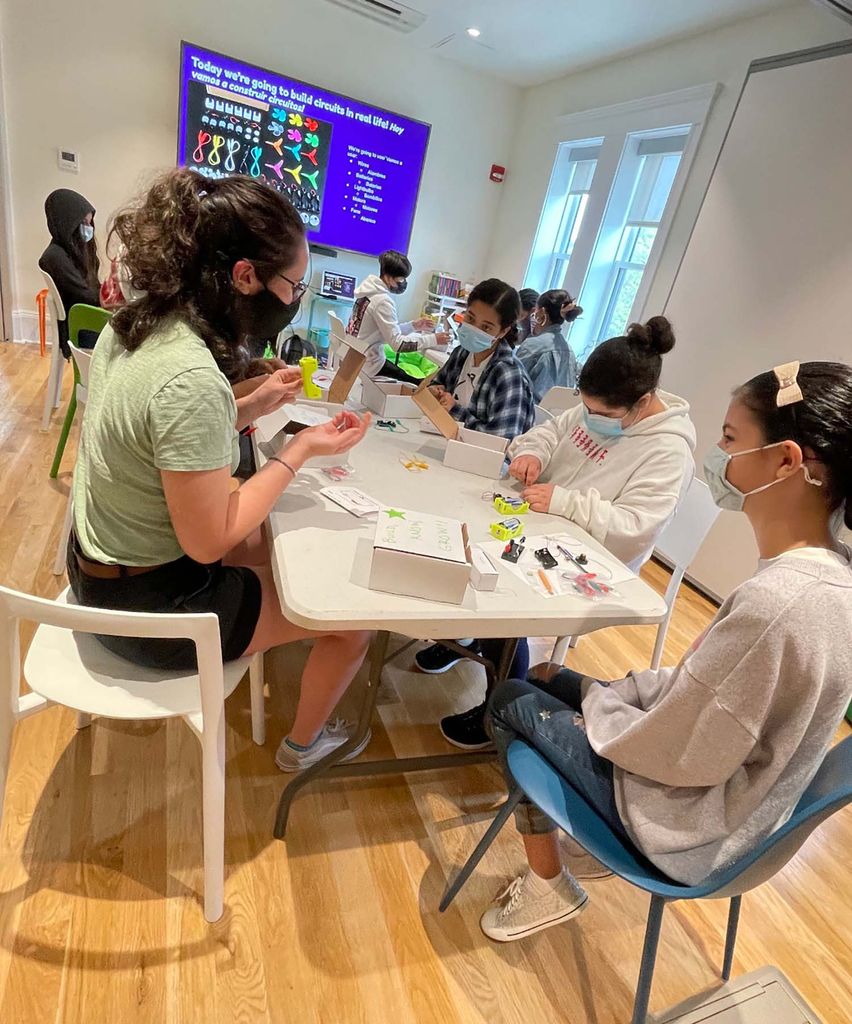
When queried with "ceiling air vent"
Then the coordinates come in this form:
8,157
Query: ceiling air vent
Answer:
393,15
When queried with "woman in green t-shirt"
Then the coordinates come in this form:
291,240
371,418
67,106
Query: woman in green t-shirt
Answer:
158,524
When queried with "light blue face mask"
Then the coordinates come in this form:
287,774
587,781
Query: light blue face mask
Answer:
603,426
474,339
723,491
87,232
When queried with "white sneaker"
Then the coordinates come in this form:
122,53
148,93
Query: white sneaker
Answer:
332,736
529,905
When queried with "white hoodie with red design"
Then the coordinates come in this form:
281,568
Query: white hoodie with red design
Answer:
621,490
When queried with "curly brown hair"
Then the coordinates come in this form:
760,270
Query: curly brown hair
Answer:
181,241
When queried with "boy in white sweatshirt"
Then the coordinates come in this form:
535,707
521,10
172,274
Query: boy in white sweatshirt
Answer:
617,464
376,321
696,765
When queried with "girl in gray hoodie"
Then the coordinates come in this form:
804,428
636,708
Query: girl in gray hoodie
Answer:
696,765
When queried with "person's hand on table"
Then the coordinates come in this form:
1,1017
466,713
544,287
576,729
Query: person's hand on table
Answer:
280,387
332,438
539,497
447,401
526,468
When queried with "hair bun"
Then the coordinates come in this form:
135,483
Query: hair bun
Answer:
657,335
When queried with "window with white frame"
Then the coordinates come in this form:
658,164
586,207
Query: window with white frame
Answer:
609,206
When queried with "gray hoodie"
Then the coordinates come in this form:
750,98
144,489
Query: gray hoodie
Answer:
712,756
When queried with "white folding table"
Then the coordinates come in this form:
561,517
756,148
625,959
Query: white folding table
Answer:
321,561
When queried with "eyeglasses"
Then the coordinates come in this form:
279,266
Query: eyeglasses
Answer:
299,287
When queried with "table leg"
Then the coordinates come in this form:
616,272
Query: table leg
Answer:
377,661
331,765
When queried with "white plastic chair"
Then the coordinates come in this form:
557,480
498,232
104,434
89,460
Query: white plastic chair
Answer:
66,665
82,358
336,338
53,395
541,416
559,400
678,545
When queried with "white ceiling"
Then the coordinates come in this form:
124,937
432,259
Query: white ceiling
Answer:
534,41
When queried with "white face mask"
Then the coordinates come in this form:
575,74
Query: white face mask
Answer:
723,491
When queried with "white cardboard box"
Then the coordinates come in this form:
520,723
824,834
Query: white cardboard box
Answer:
420,555
477,452
484,574
470,450
390,399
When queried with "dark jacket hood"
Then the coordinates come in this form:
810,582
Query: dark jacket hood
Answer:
65,211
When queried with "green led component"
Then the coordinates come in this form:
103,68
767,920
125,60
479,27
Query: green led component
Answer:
510,506
506,529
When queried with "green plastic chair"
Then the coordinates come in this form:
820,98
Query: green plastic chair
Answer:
80,318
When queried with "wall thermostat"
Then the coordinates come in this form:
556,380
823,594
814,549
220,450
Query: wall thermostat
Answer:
68,160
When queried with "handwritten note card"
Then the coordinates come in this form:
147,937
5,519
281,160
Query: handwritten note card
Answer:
417,533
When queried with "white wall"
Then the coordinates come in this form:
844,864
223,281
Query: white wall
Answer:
102,78
765,279
722,55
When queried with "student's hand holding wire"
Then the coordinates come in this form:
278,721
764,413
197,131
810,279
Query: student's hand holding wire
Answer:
539,497
526,468
280,387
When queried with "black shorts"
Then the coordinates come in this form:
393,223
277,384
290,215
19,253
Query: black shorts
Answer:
233,593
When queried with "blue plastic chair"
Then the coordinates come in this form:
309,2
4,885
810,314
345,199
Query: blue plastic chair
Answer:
830,790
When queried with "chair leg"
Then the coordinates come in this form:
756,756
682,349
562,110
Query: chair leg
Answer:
83,720
560,650
258,708
649,959
57,381
499,821
59,561
63,437
731,937
213,815
50,390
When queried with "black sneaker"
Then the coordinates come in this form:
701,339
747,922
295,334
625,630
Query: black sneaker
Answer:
437,658
467,730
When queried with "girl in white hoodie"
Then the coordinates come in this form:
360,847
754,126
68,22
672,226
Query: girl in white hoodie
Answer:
617,465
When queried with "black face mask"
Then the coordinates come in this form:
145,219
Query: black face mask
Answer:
263,315
399,287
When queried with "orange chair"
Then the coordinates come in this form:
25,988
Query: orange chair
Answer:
41,303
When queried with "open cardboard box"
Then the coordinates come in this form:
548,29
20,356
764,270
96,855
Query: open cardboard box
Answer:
349,368
470,450
388,398
420,555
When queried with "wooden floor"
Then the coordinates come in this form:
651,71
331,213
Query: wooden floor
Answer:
100,855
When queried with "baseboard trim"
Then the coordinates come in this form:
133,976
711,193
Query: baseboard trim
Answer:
25,326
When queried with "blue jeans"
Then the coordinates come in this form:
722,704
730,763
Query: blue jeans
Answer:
546,716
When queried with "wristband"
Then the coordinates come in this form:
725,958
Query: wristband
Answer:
286,465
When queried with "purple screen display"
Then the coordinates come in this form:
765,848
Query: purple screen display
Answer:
351,170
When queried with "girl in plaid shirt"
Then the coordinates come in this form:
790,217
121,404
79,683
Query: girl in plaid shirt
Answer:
482,384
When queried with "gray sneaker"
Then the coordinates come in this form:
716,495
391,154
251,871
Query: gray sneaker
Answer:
524,910
332,736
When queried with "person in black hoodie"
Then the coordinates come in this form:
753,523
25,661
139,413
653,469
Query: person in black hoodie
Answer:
71,259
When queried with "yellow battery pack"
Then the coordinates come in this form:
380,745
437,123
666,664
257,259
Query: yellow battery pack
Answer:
506,529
